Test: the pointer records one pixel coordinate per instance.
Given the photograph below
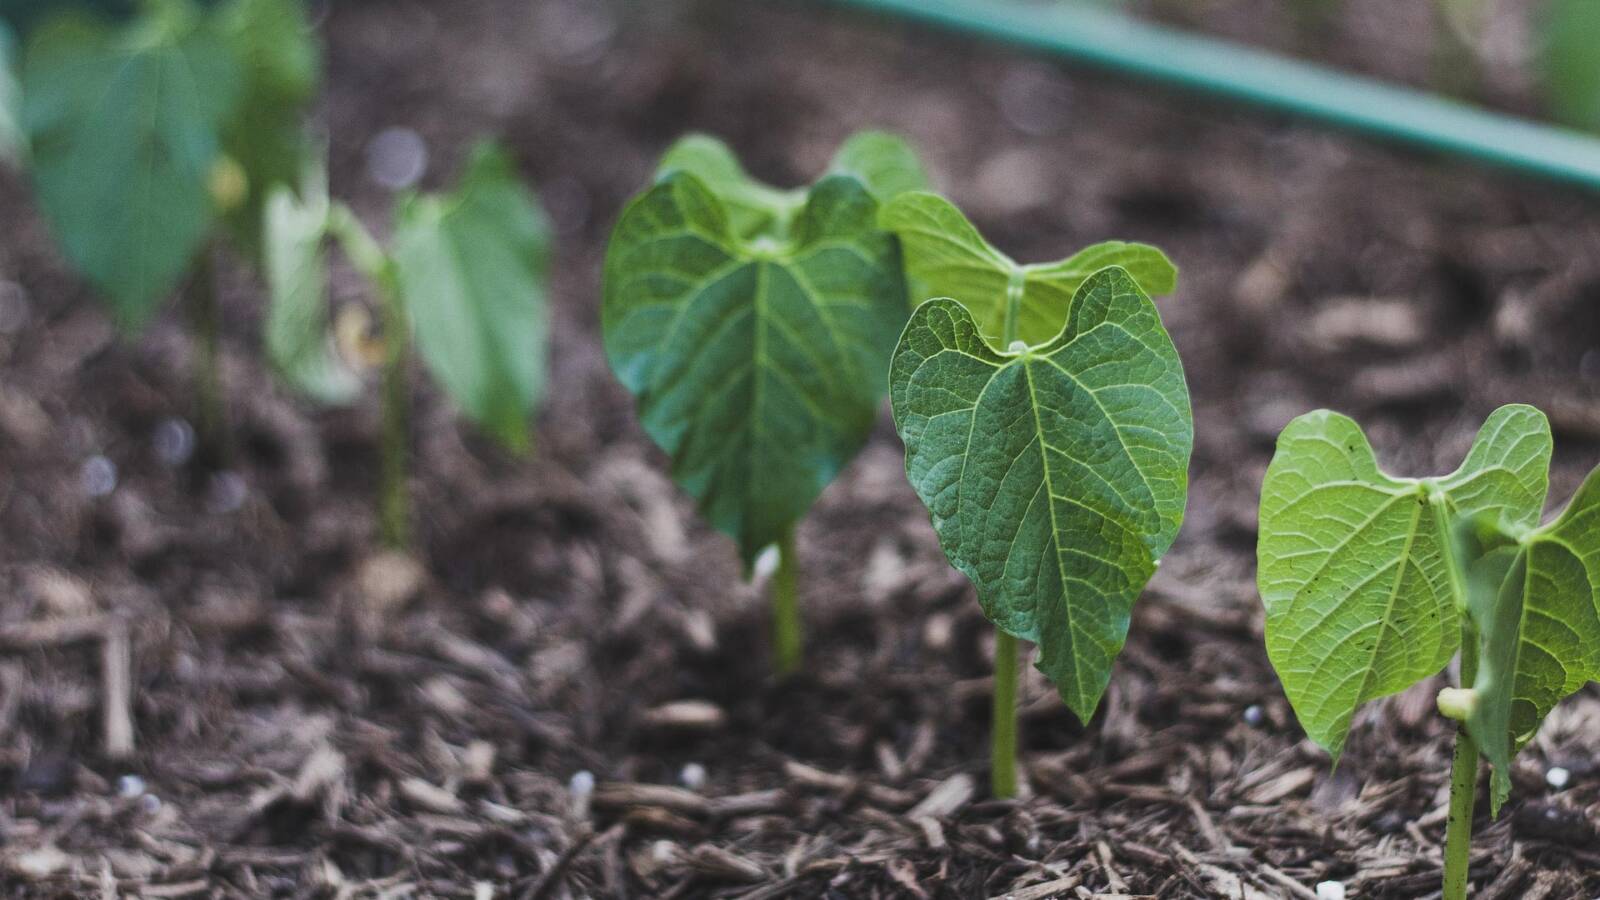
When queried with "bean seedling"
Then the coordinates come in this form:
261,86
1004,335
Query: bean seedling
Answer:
1372,583
754,326
464,277
1047,428
142,139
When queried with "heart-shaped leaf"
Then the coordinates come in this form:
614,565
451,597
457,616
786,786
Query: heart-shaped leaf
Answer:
947,257
755,326
471,272
123,130
1056,474
1362,591
1536,605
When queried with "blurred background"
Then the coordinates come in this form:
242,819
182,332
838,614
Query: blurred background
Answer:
215,681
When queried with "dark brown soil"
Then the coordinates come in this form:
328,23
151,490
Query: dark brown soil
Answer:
313,719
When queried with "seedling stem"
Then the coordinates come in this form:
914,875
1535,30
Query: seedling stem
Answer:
368,257
1003,752
205,317
1463,785
786,633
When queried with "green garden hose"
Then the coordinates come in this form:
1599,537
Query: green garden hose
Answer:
1113,41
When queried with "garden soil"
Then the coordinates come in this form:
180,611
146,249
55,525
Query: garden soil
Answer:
213,685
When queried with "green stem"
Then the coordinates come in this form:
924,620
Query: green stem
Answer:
786,633
394,501
1463,785
1003,732
368,258
205,320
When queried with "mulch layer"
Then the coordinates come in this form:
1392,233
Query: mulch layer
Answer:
212,684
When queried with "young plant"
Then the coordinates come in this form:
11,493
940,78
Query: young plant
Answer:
142,139
464,278
1569,33
1373,582
1047,428
754,326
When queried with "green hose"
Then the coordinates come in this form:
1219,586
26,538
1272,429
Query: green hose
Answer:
1223,69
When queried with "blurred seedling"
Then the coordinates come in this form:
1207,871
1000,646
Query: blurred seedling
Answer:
152,141
463,277
754,327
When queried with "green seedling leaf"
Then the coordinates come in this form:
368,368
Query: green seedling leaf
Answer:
295,232
1056,474
1536,606
947,257
882,162
1569,63
1362,590
122,128
471,272
274,44
755,327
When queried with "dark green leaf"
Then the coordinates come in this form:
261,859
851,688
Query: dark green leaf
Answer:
1057,474
471,269
755,327
122,128
278,55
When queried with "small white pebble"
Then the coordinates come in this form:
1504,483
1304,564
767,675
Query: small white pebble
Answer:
1330,890
482,890
1557,777
581,784
693,776
397,158
1254,716
150,804
98,476
130,786
173,441
767,563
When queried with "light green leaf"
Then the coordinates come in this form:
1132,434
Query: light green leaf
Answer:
273,42
754,327
945,256
122,130
295,258
11,141
1056,476
1356,569
1537,609
471,268
881,162
1570,32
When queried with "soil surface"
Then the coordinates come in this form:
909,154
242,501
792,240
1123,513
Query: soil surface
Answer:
567,692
